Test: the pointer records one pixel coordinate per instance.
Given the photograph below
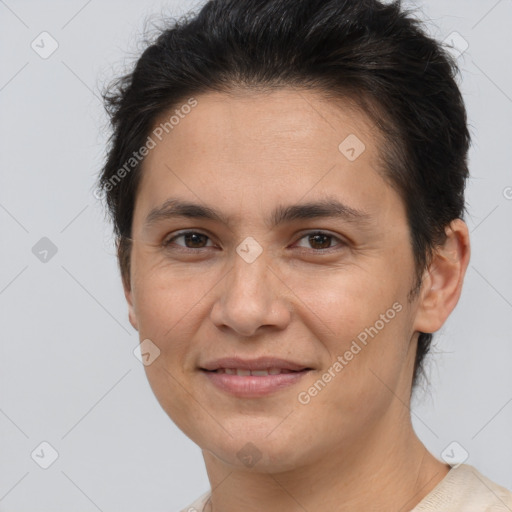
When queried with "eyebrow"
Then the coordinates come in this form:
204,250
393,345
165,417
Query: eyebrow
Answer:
329,208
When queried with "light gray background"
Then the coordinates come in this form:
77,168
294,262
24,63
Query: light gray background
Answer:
67,372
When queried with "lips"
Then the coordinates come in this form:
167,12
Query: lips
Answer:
245,373
238,366
253,378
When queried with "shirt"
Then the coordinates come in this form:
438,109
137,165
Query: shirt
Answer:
463,489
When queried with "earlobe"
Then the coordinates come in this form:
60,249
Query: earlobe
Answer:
442,284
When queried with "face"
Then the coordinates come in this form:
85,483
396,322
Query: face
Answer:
270,275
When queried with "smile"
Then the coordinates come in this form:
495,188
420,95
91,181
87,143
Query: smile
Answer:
244,373
243,383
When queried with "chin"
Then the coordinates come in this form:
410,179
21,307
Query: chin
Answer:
259,452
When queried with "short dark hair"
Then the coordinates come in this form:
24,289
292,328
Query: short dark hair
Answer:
376,54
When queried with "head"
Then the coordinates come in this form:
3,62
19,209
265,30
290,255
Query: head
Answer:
247,108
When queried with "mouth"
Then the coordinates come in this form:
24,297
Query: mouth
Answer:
260,364
258,373
253,378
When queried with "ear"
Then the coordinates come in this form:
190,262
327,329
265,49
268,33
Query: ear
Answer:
442,282
125,268
131,309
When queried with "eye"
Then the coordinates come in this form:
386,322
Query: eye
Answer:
322,240
193,240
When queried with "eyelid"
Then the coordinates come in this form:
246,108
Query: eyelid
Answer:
341,241
168,239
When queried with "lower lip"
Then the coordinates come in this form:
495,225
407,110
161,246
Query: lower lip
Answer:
253,386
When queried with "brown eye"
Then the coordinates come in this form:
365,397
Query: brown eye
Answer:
320,240
193,240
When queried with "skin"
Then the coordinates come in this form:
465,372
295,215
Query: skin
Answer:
352,447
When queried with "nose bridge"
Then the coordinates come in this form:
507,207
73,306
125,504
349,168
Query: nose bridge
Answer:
249,298
248,286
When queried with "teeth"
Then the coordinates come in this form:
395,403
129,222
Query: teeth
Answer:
245,373
260,372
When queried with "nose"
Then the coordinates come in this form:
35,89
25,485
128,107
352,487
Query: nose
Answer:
251,297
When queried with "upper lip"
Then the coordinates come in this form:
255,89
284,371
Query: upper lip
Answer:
261,363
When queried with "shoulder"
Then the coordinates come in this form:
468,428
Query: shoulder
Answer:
198,504
465,489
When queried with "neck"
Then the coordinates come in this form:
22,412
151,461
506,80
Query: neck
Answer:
387,467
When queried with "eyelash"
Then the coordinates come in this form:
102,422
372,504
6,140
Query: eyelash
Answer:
166,244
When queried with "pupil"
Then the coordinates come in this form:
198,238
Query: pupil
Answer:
190,236
314,238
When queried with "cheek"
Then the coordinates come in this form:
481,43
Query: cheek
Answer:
366,368
166,297
167,307
363,323
342,302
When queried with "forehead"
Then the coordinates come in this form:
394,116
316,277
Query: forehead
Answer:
240,122
255,148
